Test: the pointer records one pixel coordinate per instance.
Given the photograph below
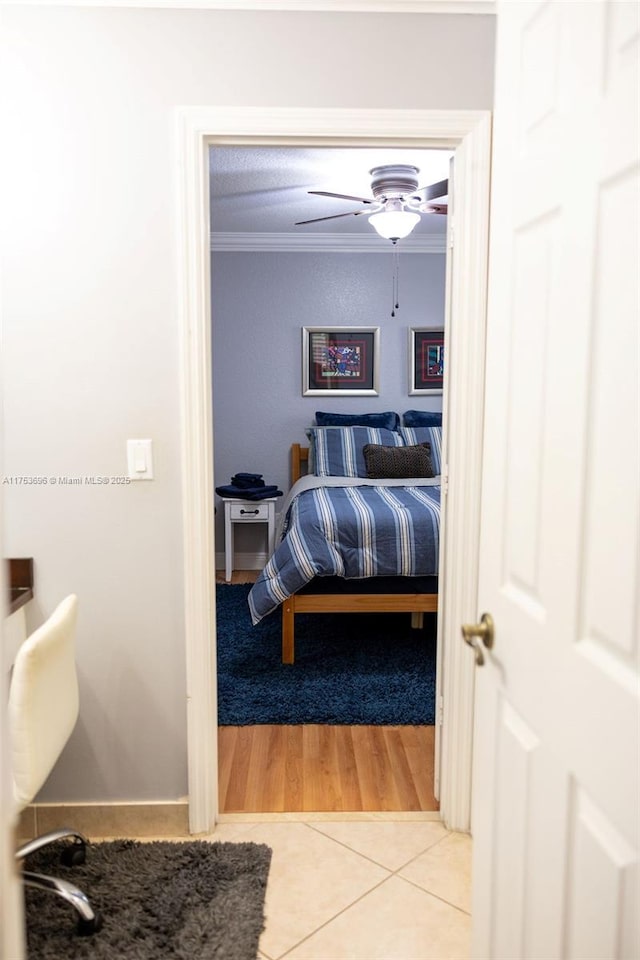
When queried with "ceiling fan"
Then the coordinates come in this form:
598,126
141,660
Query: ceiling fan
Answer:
396,203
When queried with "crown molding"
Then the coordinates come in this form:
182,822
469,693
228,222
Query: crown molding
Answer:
321,243
311,6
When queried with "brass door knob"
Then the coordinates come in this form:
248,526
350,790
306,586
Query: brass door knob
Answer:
476,634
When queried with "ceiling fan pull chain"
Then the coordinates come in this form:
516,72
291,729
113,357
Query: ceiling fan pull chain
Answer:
395,280
393,283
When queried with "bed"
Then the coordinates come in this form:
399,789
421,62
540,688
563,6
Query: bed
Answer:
349,543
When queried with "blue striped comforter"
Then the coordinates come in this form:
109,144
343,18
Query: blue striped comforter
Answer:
352,528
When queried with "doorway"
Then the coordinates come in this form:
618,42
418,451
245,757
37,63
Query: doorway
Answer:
468,133
270,276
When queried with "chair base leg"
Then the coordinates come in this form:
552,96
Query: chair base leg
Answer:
73,854
88,920
79,842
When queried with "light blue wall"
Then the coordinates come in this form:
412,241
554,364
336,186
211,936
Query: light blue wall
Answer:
260,302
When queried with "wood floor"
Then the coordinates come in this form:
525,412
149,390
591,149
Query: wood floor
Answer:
319,767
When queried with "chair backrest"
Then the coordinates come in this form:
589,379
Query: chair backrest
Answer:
43,700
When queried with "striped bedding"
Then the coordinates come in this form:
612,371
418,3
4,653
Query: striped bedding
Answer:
352,528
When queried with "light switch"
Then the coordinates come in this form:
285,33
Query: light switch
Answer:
140,459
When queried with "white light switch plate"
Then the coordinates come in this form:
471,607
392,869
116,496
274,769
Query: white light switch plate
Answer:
140,459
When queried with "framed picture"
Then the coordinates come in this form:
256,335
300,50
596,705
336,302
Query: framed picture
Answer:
340,360
426,360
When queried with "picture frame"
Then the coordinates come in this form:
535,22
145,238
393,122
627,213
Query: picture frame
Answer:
341,361
426,360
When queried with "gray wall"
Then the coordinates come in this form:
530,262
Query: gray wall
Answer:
90,313
260,302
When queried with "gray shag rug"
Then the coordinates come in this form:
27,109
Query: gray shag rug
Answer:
193,901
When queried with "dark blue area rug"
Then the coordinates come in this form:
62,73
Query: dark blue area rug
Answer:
350,668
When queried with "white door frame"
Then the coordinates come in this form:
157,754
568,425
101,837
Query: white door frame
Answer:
468,133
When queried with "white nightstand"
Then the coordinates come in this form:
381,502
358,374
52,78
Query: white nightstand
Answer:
247,511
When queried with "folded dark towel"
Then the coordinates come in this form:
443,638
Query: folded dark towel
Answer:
247,480
248,493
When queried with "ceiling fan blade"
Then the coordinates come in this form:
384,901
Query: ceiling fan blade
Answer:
340,196
336,216
434,208
439,189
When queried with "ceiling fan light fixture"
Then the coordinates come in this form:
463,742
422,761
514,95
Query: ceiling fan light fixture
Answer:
394,224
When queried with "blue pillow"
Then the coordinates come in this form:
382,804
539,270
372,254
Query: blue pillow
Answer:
422,418
339,451
432,435
388,420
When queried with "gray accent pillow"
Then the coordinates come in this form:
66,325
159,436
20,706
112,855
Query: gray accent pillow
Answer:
390,463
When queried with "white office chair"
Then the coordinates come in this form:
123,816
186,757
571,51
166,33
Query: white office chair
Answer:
43,709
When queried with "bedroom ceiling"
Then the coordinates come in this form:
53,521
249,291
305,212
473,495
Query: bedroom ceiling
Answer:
263,190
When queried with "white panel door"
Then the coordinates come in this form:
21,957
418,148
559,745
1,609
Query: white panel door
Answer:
555,817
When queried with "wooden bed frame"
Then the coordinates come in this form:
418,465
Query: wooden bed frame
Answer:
413,603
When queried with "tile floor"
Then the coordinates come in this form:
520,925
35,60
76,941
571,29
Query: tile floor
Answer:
363,890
